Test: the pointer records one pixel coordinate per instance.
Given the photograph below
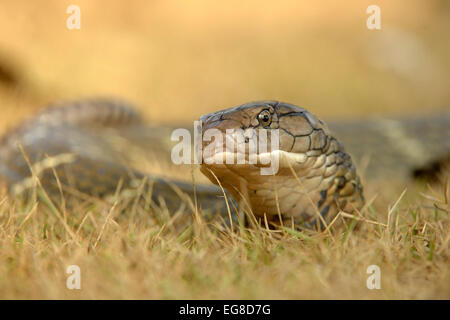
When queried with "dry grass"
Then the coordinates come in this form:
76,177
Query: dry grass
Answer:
180,59
127,251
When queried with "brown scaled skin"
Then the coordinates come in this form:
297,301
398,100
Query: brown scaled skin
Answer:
316,177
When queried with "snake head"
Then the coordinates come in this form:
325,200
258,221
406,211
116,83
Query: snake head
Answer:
309,168
256,134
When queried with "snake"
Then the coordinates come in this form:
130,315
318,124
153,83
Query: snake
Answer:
89,147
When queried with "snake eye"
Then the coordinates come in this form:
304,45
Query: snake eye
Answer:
265,118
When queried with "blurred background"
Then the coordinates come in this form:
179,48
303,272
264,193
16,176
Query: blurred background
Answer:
179,59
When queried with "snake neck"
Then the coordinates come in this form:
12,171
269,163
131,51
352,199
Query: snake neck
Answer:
315,190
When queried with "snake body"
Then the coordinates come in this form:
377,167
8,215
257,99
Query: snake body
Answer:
90,144
87,146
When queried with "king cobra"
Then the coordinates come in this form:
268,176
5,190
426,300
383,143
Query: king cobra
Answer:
90,147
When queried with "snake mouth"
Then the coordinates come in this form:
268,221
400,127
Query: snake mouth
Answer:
227,141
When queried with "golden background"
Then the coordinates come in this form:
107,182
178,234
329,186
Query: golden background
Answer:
179,59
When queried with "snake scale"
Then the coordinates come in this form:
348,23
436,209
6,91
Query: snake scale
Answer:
89,146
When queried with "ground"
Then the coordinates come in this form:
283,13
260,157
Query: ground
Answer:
127,253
